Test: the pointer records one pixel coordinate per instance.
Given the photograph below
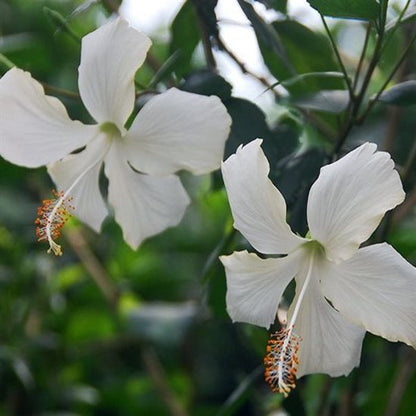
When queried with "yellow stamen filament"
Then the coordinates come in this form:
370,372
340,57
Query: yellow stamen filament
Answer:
52,216
281,360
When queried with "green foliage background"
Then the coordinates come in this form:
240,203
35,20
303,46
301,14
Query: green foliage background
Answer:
105,330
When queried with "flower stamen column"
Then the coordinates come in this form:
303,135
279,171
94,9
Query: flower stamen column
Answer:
281,360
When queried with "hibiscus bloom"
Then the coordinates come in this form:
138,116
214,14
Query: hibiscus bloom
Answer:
341,290
174,130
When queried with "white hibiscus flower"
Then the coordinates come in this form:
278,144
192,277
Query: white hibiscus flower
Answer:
174,130
341,290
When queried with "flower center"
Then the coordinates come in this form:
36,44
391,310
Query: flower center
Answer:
281,360
111,130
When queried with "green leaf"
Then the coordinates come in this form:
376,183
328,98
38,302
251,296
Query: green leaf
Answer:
279,5
408,16
205,82
333,101
249,123
309,75
185,38
403,94
350,9
308,52
267,35
294,177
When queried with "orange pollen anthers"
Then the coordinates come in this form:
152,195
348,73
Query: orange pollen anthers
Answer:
281,360
52,216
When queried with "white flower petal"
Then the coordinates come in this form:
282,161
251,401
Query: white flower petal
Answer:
350,197
255,286
258,208
83,167
330,344
110,57
178,130
35,128
376,288
143,205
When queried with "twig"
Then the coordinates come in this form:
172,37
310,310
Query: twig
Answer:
402,210
391,131
243,67
93,266
60,91
206,40
157,374
406,371
323,397
407,169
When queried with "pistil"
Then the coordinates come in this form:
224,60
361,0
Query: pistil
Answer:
281,361
54,213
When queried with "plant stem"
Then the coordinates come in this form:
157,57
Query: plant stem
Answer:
386,82
94,267
362,56
355,105
339,59
393,30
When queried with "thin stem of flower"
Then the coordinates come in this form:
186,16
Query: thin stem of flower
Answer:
339,59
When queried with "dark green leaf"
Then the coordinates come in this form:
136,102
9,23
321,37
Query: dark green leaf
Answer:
205,82
249,123
294,176
307,51
402,94
350,9
279,5
334,101
267,35
206,12
185,38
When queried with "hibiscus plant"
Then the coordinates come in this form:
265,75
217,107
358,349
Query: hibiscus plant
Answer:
234,195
